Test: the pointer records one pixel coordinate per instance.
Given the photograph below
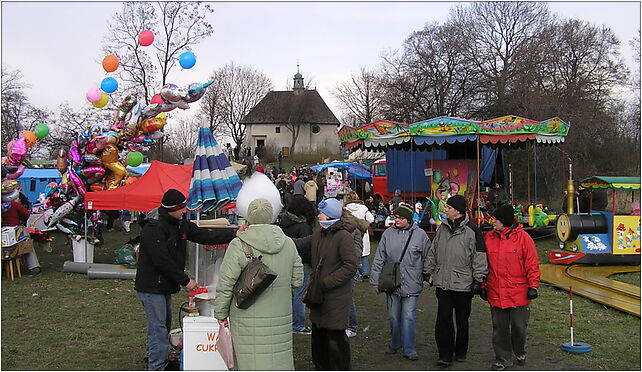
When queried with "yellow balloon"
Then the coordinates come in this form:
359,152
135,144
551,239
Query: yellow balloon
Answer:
162,115
104,99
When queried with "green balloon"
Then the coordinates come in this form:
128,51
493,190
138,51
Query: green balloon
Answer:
134,159
41,131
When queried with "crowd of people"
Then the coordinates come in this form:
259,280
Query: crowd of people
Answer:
329,235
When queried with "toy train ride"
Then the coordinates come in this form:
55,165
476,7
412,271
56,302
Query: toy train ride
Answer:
600,236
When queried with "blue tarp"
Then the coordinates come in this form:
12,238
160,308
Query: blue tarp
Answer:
355,169
406,169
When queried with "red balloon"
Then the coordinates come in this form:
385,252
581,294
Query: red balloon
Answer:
157,99
145,38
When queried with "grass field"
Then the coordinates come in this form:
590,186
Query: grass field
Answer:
64,321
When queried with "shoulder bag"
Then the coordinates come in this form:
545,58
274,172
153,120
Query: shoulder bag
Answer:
312,295
254,279
390,277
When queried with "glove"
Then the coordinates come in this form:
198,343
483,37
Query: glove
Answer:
476,287
484,294
531,294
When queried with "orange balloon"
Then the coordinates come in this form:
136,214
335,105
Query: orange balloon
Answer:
110,63
30,137
96,187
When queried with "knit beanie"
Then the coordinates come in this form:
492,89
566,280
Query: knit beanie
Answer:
331,207
458,202
173,200
259,212
505,214
405,211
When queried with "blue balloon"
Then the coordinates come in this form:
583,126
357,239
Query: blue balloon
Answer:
109,85
187,60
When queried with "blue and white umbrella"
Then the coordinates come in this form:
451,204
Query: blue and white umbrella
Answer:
214,182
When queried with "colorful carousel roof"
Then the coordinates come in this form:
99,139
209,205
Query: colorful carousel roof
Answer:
602,182
444,129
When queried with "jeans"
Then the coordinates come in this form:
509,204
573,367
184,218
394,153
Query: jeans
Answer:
298,307
364,269
447,341
158,311
402,312
352,323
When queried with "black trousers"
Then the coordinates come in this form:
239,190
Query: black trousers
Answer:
330,349
449,342
509,332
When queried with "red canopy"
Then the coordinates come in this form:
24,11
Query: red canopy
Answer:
146,193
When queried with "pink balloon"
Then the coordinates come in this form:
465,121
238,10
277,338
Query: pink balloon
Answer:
145,38
17,173
73,152
94,95
157,99
18,151
76,183
92,172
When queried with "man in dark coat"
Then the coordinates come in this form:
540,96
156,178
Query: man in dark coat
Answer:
161,264
334,243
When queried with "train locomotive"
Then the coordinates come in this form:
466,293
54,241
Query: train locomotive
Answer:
600,236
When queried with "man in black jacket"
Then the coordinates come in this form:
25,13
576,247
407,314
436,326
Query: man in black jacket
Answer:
161,264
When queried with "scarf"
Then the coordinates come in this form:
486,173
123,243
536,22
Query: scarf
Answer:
328,223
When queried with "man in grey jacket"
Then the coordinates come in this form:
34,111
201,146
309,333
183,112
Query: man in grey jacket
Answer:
402,302
456,264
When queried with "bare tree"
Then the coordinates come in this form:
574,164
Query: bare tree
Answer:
68,124
360,98
17,113
236,90
182,137
501,39
177,27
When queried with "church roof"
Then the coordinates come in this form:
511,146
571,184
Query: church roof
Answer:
279,107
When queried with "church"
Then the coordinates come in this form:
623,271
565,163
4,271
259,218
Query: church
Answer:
272,122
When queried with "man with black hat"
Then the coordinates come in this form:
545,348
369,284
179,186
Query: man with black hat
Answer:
456,264
161,264
510,286
402,301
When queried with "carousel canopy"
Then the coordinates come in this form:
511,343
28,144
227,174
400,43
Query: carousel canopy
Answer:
602,182
446,129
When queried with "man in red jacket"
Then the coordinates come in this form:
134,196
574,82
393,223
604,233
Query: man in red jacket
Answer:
510,286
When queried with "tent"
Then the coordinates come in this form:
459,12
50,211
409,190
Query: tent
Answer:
144,194
355,169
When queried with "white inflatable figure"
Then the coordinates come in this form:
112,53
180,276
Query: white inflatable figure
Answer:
258,186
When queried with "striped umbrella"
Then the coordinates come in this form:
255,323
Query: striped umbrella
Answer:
214,182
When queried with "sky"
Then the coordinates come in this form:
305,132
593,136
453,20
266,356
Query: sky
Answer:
56,45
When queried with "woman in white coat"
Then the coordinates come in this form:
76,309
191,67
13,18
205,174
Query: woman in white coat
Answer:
359,210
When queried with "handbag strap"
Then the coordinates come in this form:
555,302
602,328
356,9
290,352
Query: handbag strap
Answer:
406,247
247,250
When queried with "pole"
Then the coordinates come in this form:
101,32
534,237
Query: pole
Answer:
86,257
535,170
570,296
198,246
510,180
528,176
479,215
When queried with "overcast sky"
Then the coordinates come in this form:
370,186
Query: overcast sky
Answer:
57,44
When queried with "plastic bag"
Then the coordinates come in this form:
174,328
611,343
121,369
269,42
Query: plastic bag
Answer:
225,348
125,255
258,186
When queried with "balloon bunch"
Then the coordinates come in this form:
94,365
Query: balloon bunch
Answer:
96,159
18,149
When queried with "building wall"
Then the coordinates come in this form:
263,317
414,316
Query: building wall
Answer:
307,141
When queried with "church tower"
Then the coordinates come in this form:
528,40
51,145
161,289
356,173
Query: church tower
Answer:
298,81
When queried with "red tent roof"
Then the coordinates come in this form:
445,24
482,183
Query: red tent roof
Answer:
146,193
